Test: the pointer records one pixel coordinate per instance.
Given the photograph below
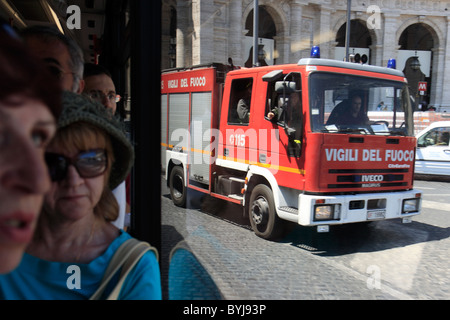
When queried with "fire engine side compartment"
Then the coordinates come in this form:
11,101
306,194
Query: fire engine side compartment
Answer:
190,102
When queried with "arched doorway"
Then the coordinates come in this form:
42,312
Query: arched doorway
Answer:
266,33
359,44
415,59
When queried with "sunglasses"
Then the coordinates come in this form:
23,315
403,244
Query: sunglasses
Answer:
89,164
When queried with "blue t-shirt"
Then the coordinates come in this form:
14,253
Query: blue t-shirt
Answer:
37,279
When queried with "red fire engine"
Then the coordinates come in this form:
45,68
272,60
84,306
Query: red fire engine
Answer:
299,142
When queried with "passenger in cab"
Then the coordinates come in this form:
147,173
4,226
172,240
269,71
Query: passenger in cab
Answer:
61,54
75,241
243,106
29,104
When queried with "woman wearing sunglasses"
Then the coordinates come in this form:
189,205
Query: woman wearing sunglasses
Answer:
74,240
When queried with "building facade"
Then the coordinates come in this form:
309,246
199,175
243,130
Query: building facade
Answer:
414,32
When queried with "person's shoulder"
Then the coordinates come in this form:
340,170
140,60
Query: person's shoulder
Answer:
150,257
151,253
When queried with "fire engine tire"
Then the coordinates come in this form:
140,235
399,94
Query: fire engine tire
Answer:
178,190
263,218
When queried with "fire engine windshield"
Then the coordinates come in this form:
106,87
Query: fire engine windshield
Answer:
341,103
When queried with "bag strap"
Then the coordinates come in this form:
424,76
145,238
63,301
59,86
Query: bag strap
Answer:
127,255
138,251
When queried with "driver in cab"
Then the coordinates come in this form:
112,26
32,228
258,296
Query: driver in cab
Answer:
351,114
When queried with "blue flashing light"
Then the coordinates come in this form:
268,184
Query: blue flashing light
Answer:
315,52
392,64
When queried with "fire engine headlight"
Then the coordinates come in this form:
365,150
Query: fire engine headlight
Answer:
326,212
410,205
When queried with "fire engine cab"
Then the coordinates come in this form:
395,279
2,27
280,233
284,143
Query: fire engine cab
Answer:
302,143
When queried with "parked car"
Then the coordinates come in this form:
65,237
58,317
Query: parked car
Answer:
433,150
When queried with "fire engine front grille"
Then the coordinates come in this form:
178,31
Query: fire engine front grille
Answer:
365,178
367,184
360,178
367,170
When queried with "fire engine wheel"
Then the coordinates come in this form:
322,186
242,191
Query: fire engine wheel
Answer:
263,218
177,187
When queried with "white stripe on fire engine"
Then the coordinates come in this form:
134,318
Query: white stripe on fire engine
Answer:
266,165
184,148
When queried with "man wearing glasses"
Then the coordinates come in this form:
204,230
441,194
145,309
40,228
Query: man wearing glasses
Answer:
99,86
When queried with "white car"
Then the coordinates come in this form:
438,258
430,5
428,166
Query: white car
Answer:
433,150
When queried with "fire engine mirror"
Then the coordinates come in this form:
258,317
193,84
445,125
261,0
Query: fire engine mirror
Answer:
285,86
273,75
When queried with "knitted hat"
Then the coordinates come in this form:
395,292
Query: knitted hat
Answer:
79,108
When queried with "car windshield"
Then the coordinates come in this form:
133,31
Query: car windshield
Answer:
343,103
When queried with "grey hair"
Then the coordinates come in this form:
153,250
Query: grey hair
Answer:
76,54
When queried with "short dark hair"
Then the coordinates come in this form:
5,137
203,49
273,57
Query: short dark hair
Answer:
23,73
91,69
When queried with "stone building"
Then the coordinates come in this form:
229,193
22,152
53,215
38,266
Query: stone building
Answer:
414,32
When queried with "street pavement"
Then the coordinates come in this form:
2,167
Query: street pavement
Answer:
384,260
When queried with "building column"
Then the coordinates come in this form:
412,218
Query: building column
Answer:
203,15
438,77
325,35
184,30
235,41
443,96
376,54
296,31
165,36
390,43
283,47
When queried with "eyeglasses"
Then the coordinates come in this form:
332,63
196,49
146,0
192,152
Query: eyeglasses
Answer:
99,96
89,164
57,72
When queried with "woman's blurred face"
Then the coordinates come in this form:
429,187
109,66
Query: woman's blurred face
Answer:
74,197
26,127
